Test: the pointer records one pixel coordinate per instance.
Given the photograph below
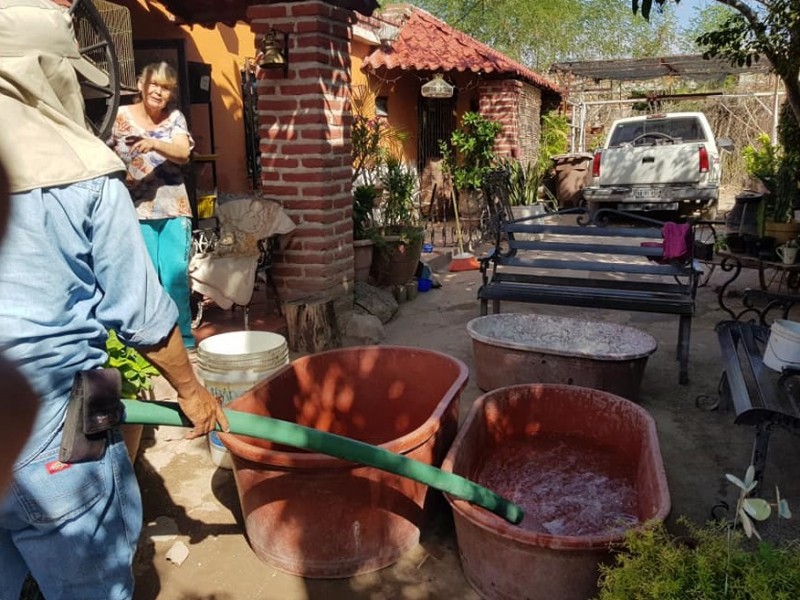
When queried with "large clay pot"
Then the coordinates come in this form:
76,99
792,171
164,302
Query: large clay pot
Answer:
782,232
530,442
318,516
395,260
362,259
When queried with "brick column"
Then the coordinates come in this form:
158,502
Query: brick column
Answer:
304,126
499,100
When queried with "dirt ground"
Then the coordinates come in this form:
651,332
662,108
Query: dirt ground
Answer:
191,502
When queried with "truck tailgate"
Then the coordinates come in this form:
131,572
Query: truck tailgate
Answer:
642,165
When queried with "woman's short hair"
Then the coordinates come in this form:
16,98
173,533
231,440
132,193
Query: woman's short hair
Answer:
161,72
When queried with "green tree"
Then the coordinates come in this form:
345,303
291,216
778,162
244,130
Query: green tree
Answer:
709,17
538,34
754,29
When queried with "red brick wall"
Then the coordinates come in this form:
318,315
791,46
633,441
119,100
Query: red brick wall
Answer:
304,124
517,106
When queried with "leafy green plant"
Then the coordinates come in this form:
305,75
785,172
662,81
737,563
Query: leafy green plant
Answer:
363,202
553,139
400,185
372,138
713,562
778,171
762,160
523,181
469,153
135,370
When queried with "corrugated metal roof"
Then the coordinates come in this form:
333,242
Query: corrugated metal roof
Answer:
688,66
425,43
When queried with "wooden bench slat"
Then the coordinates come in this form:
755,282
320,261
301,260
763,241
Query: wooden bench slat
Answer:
760,397
661,286
595,266
584,248
558,263
580,230
564,296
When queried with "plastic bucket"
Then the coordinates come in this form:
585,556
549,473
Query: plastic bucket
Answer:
219,453
231,363
783,346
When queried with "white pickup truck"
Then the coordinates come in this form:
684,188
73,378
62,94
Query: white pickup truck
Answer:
668,162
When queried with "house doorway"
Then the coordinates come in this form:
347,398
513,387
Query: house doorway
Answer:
437,120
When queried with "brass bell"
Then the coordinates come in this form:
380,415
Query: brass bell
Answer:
272,55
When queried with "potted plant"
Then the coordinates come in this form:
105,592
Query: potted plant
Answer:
775,170
136,374
713,561
398,238
468,157
363,204
522,183
373,139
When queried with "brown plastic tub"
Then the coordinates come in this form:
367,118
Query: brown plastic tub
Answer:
318,516
511,348
556,450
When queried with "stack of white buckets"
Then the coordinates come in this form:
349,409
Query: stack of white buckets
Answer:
230,364
783,347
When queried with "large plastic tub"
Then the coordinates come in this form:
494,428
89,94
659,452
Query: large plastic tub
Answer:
510,349
585,465
318,516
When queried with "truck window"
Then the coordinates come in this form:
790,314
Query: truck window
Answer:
686,129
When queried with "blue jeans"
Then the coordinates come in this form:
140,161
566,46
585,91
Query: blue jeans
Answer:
74,528
169,243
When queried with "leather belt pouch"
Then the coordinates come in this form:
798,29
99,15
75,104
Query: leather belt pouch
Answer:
94,408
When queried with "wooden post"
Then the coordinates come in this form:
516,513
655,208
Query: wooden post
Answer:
312,327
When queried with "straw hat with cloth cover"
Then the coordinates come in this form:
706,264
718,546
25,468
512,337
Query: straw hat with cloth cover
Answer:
44,138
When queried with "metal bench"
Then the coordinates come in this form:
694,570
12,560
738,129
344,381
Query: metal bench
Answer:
760,397
602,259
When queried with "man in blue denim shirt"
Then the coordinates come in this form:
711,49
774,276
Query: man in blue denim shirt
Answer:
73,265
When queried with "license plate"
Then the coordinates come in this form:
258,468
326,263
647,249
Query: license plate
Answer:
647,193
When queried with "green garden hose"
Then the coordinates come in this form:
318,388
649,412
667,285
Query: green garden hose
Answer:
298,436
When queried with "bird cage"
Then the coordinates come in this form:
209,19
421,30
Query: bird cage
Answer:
117,20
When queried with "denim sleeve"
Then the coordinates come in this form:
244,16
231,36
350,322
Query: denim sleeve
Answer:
134,304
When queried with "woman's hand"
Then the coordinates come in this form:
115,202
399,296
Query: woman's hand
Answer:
143,144
177,150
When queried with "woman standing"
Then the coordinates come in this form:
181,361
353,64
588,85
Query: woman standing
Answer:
153,139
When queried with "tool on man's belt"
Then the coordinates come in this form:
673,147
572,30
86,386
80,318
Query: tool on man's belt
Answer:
94,408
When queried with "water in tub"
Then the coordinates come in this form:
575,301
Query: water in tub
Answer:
567,485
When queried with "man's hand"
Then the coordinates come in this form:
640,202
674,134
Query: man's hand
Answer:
204,411
172,361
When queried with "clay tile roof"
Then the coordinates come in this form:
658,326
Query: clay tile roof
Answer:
210,12
427,44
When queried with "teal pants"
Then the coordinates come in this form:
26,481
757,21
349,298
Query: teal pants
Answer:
169,243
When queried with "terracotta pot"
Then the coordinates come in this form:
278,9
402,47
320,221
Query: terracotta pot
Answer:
318,516
362,258
517,348
534,560
782,232
394,262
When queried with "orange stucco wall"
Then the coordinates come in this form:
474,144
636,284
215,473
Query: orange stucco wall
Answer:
225,49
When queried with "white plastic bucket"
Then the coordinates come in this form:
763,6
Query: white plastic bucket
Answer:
219,453
231,363
783,346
